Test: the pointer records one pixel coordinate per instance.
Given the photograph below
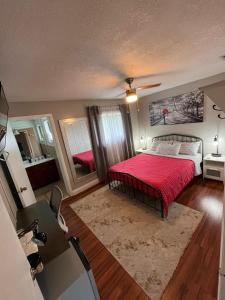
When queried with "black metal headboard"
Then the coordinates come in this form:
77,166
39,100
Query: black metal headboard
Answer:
180,138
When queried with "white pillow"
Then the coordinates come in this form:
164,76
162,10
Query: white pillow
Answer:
169,149
190,148
155,144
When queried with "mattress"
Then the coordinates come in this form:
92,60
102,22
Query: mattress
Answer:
169,175
197,159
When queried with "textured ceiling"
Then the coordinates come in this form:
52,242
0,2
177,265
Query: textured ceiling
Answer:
83,49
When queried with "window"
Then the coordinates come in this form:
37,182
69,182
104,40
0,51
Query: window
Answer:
112,124
48,131
40,133
113,134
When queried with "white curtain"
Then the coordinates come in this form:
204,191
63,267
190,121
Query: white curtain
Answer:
113,133
78,136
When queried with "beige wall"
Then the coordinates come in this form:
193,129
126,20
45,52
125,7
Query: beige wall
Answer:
217,93
205,130
59,110
140,121
15,278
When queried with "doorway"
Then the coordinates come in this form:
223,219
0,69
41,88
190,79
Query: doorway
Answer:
36,143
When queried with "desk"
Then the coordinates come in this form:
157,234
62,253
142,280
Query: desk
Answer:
64,276
56,241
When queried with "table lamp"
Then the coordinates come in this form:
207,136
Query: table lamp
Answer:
216,143
142,142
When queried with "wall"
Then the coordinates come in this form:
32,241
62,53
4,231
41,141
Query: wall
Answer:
205,130
140,121
217,93
60,110
22,124
15,278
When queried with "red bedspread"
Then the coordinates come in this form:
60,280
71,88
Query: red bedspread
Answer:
167,174
85,158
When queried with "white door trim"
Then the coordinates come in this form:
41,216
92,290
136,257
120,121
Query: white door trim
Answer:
16,168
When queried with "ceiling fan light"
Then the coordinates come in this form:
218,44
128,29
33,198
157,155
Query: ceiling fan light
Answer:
131,96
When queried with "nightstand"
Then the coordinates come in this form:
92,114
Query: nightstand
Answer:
213,167
141,150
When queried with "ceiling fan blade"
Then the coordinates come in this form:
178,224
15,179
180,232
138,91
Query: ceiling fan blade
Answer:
156,74
121,95
148,86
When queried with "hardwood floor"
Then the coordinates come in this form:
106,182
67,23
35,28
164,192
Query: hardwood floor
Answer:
196,276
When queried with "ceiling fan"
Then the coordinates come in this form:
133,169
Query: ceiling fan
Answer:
131,92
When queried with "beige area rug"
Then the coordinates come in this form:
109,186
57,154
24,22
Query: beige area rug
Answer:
147,247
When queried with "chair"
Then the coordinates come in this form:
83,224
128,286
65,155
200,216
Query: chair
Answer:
55,204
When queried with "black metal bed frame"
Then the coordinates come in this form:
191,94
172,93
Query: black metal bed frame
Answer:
138,189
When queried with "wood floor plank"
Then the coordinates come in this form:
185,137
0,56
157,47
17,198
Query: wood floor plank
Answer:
196,276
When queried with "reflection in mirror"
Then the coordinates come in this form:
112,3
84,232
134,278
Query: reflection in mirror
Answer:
78,145
34,139
27,143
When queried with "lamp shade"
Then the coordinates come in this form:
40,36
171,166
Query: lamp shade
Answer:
131,96
142,139
216,143
216,140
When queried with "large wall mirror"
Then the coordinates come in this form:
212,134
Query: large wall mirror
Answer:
78,146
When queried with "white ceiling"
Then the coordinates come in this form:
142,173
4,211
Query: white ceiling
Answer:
83,49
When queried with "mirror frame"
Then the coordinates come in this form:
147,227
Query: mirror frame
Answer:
88,177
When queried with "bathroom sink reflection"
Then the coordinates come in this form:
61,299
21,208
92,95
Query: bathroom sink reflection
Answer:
36,161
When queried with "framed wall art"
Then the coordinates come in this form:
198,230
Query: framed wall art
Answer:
185,108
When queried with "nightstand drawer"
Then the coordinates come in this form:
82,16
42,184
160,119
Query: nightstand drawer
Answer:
213,167
217,174
214,164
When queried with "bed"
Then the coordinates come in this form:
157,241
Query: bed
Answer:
159,177
86,159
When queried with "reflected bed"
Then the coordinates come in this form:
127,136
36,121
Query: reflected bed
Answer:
85,159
